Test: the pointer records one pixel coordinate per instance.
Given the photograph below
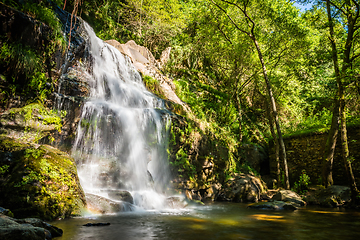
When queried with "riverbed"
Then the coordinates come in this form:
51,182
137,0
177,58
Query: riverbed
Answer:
217,221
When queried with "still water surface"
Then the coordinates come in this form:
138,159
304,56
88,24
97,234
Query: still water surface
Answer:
218,221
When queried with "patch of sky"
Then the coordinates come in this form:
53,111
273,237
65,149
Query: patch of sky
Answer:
303,6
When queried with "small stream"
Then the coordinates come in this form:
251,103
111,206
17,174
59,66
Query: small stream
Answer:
218,221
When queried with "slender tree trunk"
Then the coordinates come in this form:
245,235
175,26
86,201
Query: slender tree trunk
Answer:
274,112
276,143
328,159
345,147
332,137
251,34
340,80
238,103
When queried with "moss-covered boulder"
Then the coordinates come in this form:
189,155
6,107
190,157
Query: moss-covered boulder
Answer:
38,181
242,188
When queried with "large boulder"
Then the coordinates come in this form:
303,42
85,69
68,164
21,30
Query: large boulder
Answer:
242,188
289,196
333,196
120,195
103,205
38,181
29,229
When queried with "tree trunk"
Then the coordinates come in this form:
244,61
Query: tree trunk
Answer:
340,80
238,103
328,159
345,147
274,112
276,143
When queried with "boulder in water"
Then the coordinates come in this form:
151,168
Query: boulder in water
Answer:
242,188
38,181
104,205
333,196
35,222
29,229
120,195
176,202
289,196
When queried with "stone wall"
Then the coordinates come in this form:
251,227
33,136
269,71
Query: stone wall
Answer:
305,153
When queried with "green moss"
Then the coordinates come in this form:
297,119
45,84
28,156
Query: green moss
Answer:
153,86
39,181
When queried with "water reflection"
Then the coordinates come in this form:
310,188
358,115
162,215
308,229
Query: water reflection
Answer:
219,221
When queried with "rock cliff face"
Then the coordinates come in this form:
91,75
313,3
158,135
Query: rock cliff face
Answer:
22,30
36,180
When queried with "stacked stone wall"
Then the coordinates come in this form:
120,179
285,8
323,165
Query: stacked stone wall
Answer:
305,152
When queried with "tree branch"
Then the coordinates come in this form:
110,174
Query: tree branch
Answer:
218,26
245,13
233,22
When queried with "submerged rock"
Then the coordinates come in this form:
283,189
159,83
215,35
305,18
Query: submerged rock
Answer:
38,181
274,205
96,224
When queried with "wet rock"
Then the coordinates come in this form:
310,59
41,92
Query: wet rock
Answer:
333,196
6,212
289,196
96,224
144,62
242,188
29,229
192,194
104,205
176,202
274,205
35,222
120,195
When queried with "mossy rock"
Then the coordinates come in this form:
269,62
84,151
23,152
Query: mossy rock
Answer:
30,123
38,181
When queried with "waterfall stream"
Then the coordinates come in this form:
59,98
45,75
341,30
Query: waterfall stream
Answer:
121,138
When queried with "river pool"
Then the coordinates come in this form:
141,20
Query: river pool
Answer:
217,221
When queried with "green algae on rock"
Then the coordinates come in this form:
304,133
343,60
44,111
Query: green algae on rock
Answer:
38,181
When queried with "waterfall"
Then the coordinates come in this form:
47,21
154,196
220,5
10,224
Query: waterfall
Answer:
122,137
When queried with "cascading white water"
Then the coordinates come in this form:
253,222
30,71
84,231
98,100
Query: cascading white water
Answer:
121,138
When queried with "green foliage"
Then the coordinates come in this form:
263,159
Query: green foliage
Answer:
48,117
245,168
153,86
182,163
4,169
301,185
